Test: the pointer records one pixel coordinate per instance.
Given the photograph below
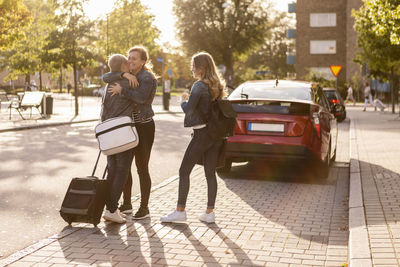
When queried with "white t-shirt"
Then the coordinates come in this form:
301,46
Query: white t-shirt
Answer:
350,91
367,91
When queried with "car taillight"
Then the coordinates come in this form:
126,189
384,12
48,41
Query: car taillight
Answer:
240,127
335,101
315,121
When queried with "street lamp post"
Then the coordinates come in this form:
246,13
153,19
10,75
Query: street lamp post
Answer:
165,95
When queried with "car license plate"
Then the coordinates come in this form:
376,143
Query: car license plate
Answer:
266,127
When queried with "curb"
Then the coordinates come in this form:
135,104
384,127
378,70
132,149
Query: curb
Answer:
359,252
46,241
43,125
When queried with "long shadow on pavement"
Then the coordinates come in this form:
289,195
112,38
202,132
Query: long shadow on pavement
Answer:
294,205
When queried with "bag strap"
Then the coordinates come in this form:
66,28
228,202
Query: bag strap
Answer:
115,127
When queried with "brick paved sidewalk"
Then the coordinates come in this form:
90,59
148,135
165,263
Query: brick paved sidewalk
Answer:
258,223
377,138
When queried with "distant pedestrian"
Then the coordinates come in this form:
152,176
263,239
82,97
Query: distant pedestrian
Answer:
367,96
69,87
207,88
27,87
350,96
33,85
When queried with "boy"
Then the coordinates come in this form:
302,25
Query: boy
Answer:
118,165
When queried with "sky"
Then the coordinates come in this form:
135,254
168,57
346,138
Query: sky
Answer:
162,9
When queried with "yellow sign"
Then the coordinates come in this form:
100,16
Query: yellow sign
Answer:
335,69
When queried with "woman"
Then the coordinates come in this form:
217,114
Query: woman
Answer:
207,88
142,96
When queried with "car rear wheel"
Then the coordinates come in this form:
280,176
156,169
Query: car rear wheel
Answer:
323,168
334,157
227,167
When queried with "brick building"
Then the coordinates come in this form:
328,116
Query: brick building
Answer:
325,36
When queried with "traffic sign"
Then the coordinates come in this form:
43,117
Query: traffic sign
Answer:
335,69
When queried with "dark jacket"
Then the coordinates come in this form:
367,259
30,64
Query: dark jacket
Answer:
142,95
117,105
198,105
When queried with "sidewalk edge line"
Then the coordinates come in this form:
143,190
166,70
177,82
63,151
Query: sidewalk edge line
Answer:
356,212
16,256
52,124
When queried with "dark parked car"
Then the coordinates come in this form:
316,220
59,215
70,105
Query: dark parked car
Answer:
334,98
99,91
282,120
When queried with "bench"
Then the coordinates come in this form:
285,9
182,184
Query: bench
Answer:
4,101
30,100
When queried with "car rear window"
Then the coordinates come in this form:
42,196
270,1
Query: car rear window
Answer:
330,95
262,91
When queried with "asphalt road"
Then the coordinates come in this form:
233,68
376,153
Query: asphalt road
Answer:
37,166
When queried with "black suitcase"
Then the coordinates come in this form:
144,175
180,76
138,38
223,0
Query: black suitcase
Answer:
85,199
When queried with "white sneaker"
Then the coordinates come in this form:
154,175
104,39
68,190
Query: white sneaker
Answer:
175,216
114,217
207,217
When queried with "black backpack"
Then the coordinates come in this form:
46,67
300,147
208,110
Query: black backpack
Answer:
221,119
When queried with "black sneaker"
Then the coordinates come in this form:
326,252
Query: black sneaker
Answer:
125,208
141,214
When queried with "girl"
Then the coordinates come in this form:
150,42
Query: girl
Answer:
207,88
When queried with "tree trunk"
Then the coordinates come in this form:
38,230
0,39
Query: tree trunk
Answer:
61,76
76,90
40,80
229,76
392,82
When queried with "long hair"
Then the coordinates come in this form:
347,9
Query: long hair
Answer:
204,62
144,55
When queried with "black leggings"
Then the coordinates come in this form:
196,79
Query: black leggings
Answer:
201,146
142,157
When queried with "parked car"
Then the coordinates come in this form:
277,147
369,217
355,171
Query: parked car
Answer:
334,98
99,91
282,120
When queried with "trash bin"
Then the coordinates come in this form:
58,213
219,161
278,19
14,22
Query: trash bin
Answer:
48,102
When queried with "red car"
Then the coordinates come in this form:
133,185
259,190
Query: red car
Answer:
282,120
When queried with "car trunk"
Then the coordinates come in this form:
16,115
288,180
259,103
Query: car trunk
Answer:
271,117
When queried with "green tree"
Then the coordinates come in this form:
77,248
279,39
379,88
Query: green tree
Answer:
70,43
385,18
270,56
378,51
14,18
128,24
26,56
225,29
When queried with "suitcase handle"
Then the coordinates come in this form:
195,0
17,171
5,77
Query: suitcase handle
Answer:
95,166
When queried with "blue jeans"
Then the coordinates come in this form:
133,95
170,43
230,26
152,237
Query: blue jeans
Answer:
118,168
201,146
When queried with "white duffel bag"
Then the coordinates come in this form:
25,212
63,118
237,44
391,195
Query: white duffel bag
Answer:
116,135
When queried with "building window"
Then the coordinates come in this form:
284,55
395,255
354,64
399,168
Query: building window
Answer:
323,20
323,47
